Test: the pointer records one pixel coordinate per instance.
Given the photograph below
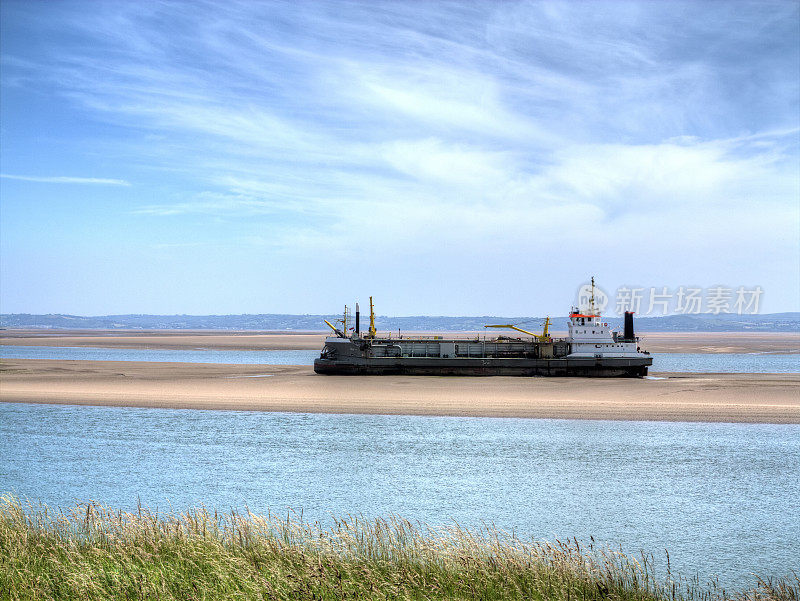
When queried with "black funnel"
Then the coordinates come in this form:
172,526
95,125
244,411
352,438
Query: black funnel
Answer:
628,333
358,321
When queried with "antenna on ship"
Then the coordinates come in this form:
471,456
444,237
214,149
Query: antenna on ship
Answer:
591,300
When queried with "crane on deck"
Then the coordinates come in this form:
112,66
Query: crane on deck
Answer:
372,332
543,337
343,333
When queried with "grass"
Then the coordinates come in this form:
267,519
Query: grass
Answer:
92,552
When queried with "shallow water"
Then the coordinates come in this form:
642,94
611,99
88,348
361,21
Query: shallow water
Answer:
753,363
723,498
662,362
76,353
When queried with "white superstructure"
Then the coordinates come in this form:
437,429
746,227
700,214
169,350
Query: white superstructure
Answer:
589,336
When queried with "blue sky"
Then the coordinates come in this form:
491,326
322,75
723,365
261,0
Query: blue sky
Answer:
447,158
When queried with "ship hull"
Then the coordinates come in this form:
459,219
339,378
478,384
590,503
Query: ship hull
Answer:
609,367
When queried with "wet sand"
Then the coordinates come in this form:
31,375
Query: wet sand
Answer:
655,342
754,398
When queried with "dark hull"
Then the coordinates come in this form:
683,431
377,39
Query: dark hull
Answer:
426,366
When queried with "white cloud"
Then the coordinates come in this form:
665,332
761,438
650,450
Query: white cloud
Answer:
66,180
635,176
441,99
455,165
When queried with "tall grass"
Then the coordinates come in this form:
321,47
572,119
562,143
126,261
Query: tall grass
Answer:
92,552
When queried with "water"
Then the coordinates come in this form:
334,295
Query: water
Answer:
663,362
723,498
752,363
76,353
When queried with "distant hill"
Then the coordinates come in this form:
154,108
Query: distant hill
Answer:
774,322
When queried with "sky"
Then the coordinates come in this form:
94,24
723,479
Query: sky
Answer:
448,158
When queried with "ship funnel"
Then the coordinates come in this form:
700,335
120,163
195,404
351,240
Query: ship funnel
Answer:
358,322
628,333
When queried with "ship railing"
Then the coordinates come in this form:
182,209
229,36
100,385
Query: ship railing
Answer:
439,338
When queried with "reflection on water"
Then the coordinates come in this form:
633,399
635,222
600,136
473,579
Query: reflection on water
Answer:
662,362
723,498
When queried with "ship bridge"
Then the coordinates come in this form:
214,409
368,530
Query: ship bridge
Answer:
587,327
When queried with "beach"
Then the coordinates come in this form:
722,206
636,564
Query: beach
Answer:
745,398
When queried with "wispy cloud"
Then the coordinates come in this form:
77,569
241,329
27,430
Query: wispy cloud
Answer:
527,126
280,109
67,180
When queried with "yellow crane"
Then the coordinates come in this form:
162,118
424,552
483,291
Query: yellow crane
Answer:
372,332
343,332
345,318
543,337
336,330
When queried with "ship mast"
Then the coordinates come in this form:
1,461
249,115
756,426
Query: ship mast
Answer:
344,320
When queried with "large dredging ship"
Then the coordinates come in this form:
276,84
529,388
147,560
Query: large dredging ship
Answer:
590,348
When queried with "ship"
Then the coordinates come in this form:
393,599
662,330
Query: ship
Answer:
590,349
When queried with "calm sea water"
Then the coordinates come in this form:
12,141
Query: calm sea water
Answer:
663,362
723,498
76,353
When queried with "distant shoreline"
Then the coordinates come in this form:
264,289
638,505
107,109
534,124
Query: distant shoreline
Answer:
283,322
655,342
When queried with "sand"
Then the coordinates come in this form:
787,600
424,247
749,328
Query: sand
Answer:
721,342
768,398
167,339
655,342
754,398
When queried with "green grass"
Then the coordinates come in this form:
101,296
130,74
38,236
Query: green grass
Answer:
91,552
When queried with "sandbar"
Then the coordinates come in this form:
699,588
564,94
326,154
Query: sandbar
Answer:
655,342
742,398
